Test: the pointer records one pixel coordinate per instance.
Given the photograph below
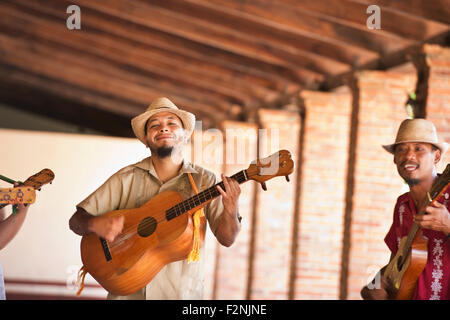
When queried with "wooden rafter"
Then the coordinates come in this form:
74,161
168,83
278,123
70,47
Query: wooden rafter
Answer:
220,59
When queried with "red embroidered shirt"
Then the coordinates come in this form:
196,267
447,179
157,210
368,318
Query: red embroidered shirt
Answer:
434,282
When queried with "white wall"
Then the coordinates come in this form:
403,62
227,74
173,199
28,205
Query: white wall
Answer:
45,248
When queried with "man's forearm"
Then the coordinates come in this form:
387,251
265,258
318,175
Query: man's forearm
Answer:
228,229
10,226
79,222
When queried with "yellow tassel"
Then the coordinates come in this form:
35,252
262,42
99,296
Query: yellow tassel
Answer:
194,255
80,280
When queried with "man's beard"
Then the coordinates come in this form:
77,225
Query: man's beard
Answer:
412,182
164,152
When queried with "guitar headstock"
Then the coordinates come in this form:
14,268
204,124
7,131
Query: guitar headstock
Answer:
440,183
39,179
25,195
278,164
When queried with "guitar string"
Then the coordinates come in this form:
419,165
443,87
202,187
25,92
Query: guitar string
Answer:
178,209
173,212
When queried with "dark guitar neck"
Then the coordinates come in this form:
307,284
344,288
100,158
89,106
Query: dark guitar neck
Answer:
202,197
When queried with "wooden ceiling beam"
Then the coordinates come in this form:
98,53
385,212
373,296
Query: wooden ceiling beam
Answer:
432,10
100,90
66,100
249,69
396,27
260,23
85,116
119,52
342,32
225,39
57,100
95,74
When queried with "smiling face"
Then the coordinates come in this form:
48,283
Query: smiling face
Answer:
416,161
165,133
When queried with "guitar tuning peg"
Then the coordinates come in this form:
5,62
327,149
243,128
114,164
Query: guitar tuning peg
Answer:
287,178
263,185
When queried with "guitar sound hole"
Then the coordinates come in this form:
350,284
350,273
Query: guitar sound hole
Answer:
146,227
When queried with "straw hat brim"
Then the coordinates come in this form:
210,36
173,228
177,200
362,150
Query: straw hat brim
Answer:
138,122
443,146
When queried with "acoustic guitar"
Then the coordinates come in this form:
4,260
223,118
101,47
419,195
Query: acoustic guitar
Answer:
25,193
160,231
403,271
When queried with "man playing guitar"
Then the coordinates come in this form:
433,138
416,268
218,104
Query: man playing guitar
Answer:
164,129
416,152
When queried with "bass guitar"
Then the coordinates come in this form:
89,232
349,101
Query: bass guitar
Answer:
160,232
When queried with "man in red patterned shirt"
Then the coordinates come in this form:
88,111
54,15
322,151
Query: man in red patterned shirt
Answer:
416,152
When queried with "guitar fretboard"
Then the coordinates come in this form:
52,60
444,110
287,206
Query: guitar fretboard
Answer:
202,197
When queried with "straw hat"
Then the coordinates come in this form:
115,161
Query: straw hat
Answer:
417,130
161,105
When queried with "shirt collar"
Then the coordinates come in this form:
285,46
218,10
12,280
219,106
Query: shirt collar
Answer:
147,164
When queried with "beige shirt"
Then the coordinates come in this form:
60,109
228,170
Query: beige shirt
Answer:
134,185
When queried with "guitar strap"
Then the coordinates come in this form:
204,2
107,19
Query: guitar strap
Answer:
199,233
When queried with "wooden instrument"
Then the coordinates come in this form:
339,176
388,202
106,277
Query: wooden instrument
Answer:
35,182
160,232
17,195
403,271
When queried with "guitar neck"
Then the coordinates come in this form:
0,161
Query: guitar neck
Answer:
436,191
202,197
36,181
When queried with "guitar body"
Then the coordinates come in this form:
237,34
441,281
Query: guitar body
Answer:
148,242
402,277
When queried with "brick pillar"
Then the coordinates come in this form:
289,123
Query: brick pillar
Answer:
232,267
206,150
275,210
438,102
381,103
322,195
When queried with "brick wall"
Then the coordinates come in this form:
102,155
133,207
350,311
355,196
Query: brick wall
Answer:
382,96
203,152
233,262
275,210
322,197
344,202
438,103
